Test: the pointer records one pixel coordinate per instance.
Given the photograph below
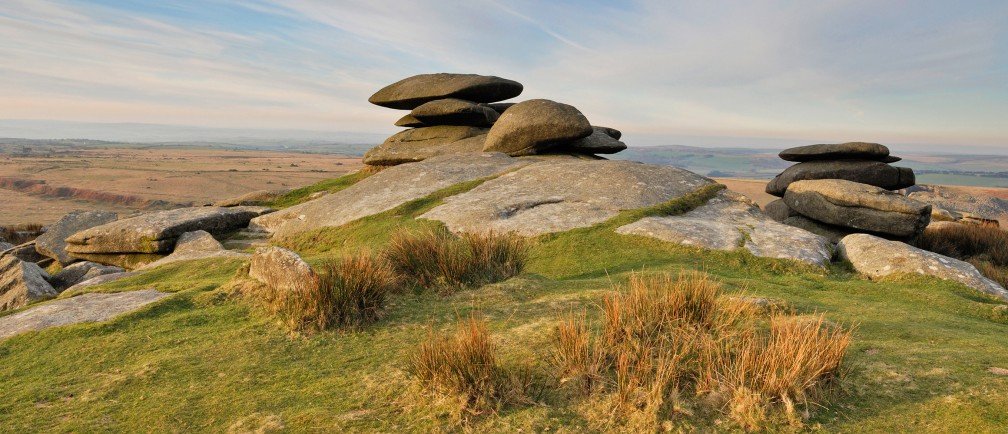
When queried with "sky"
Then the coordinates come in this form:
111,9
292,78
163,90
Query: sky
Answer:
912,73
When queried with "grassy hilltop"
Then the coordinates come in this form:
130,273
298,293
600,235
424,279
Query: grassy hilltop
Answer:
924,356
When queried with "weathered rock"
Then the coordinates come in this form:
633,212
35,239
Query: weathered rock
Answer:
386,190
25,252
601,141
5,246
80,272
280,268
411,92
874,173
75,310
409,121
779,211
129,261
102,279
500,107
254,198
394,153
554,196
961,201
22,283
839,151
454,111
833,233
157,232
877,258
858,206
195,245
731,221
52,242
533,126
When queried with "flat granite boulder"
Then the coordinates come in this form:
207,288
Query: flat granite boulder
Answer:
877,258
157,232
394,152
386,190
22,283
874,173
280,268
838,151
731,221
52,243
602,140
533,126
409,122
858,206
80,272
411,92
195,245
454,111
75,310
558,195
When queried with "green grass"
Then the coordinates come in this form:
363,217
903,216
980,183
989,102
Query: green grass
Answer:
206,359
300,195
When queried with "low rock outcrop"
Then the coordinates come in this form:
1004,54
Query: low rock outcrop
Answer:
279,267
858,206
75,310
876,258
731,221
554,196
80,272
22,283
195,245
102,279
52,243
25,252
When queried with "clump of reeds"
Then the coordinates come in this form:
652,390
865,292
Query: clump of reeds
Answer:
438,259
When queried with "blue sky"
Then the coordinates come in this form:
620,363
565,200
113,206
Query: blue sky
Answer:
896,72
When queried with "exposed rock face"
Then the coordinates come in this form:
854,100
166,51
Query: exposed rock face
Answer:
839,151
779,211
858,206
195,245
454,111
157,232
554,196
74,310
22,283
877,258
102,279
52,242
80,272
601,141
279,267
386,190
874,173
731,221
254,198
409,93
422,143
533,126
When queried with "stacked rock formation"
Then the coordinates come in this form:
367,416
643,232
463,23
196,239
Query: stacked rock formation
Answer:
839,189
462,113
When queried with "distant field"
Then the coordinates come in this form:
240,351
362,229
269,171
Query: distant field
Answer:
964,180
173,175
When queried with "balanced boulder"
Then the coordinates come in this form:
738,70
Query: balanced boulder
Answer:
52,243
874,173
410,93
839,151
454,111
602,140
878,258
22,283
419,144
859,206
533,126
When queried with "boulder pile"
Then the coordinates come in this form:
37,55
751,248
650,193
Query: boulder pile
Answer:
462,113
838,189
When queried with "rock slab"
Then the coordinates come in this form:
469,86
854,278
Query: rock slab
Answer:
52,243
75,310
419,144
874,173
877,258
559,195
409,93
602,140
533,126
731,221
279,268
22,283
195,245
858,206
80,272
838,151
454,111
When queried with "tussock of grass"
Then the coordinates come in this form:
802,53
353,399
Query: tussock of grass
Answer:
665,337
986,247
436,258
19,234
346,293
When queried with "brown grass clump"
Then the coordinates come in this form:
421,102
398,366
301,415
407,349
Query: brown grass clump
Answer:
465,364
438,259
664,338
986,247
346,293
20,234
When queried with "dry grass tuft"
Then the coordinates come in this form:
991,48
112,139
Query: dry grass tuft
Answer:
666,337
986,247
19,234
438,259
346,293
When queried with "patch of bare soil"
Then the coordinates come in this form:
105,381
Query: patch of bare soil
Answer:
754,189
